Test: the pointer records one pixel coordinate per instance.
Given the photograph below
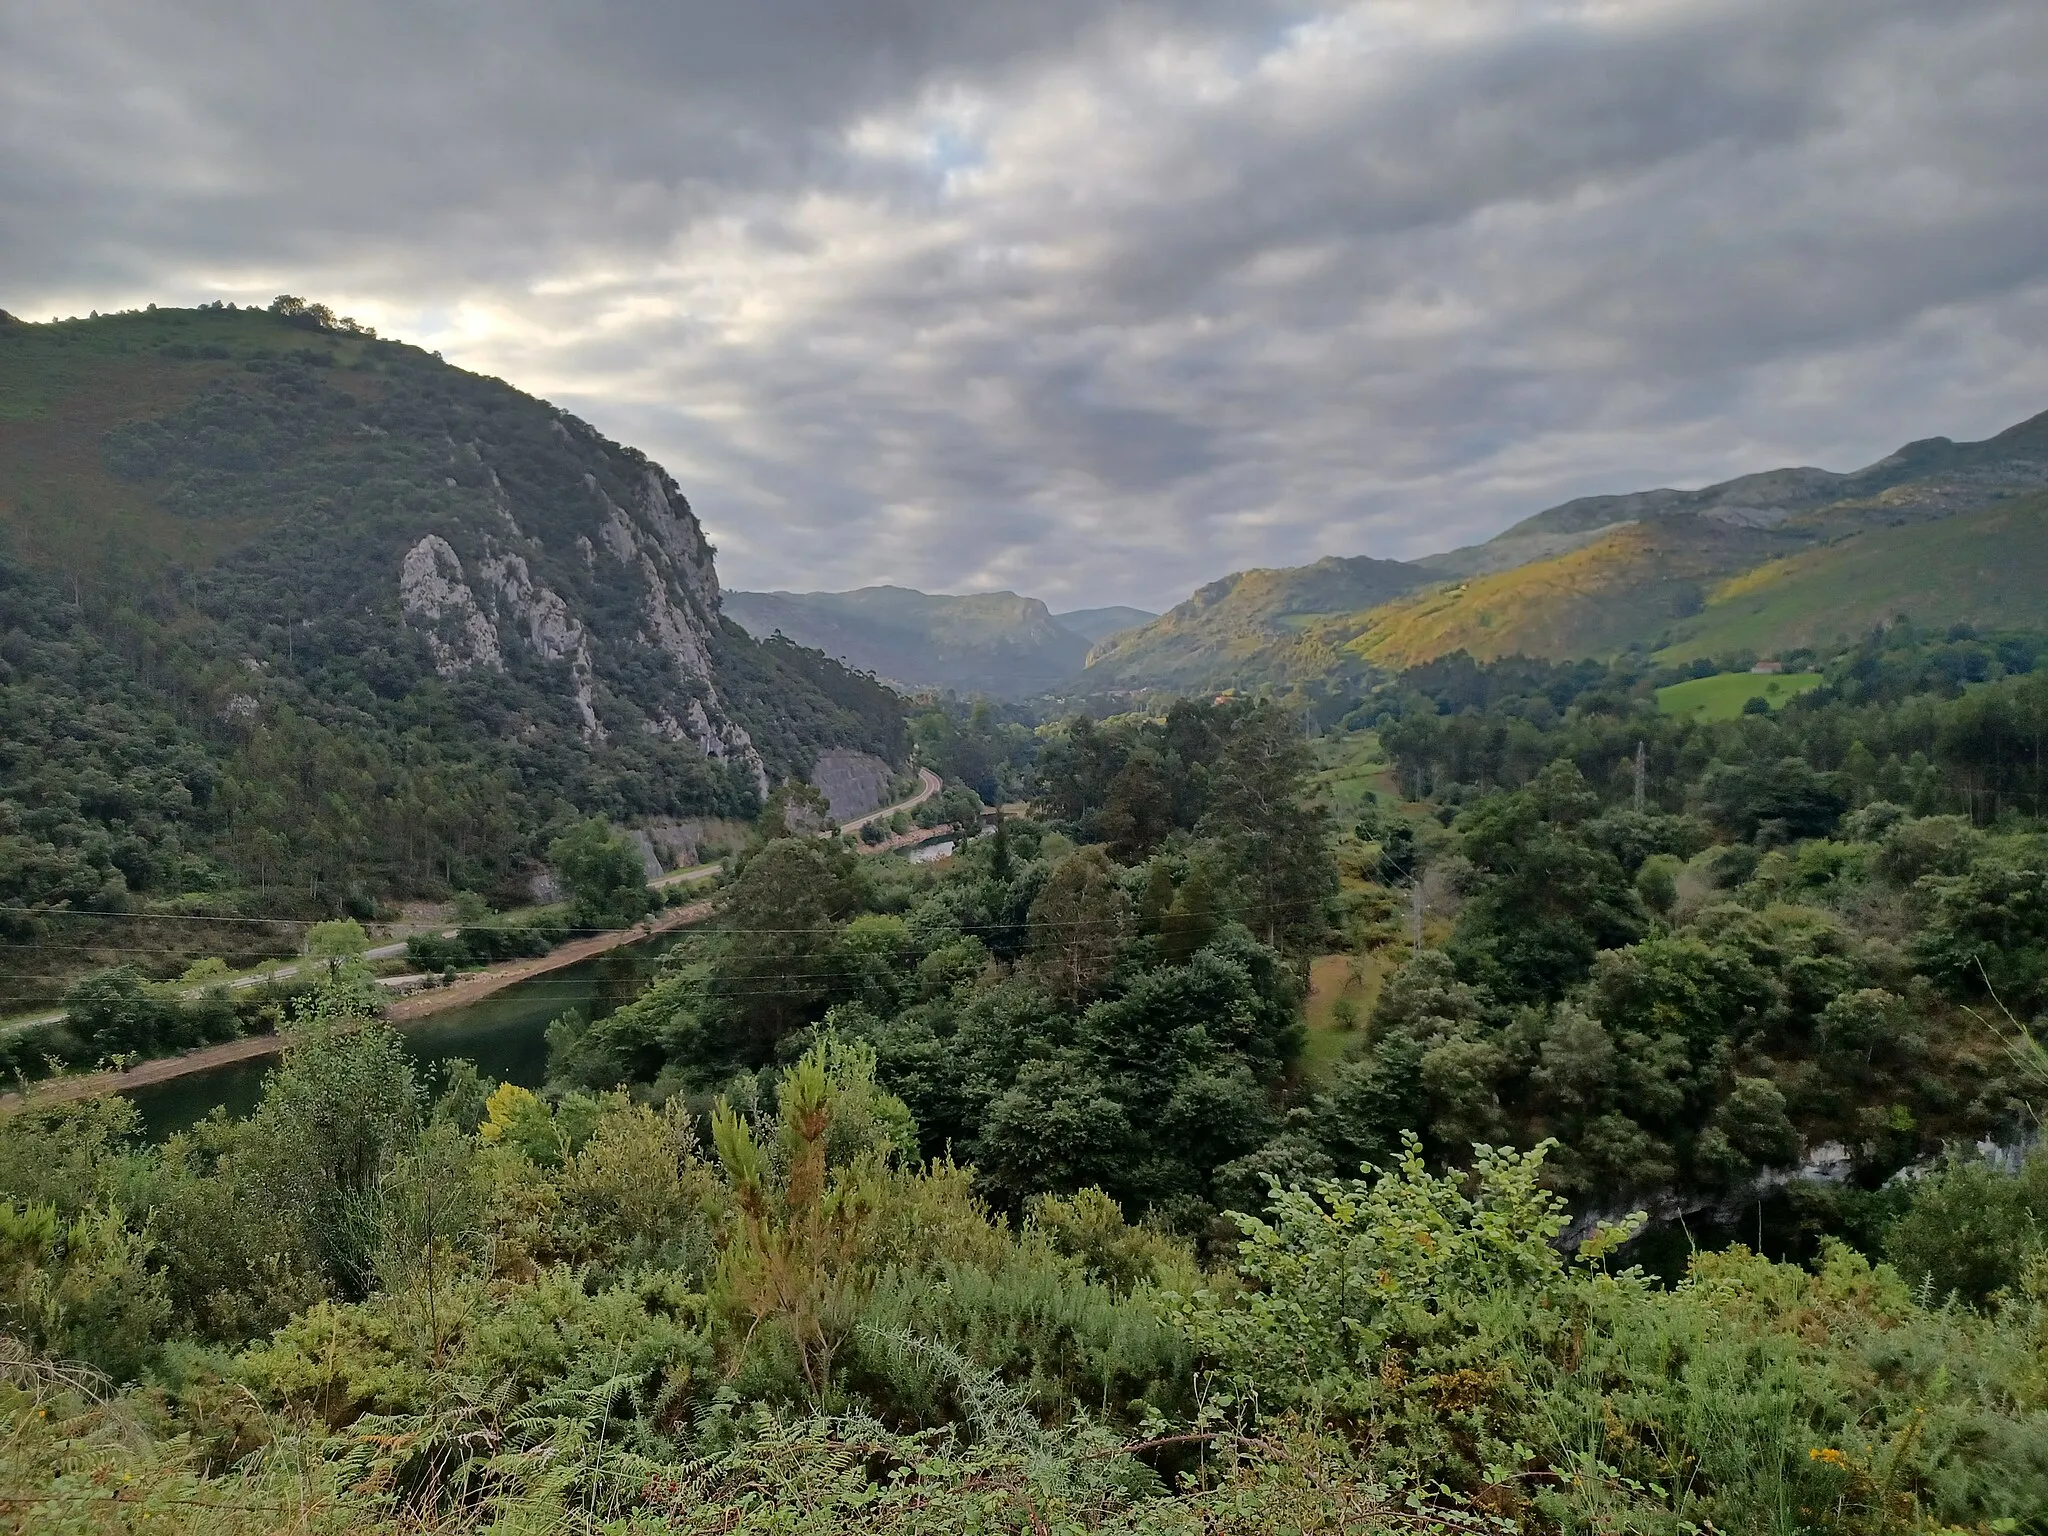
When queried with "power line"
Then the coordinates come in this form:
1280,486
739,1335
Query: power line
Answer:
681,930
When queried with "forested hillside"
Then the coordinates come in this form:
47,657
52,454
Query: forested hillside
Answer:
1244,630
296,620
1093,624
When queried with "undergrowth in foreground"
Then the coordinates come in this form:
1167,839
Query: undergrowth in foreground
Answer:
493,1314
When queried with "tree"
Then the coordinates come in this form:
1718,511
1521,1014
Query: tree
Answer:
1972,1230
1657,882
1075,771
604,873
776,965
1075,924
1860,1028
809,1204
116,1013
1988,929
794,809
1750,1130
337,1112
1137,813
1054,1130
1391,833
1787,796
1191,921
1545,900
1273,840
341,939
960,808
1156,899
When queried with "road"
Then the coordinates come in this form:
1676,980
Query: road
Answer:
427,1001
929,784
238,983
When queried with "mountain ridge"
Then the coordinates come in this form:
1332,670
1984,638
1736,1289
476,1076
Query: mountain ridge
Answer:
998,643
1211,637
1590,576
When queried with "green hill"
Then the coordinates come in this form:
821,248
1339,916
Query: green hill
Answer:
1940,530
296,612
1988,567
1725,695
1590,601
1923,481
1248,628
983,642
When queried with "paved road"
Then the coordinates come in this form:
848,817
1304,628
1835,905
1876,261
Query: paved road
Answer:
685,876
929,784
421,1003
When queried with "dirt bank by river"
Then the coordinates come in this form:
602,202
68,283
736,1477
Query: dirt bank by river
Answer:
419,1005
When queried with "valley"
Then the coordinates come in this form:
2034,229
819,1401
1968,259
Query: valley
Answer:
943,768
1674,867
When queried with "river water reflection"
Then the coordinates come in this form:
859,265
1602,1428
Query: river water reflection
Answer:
505,1034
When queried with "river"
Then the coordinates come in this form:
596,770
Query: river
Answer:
505,1034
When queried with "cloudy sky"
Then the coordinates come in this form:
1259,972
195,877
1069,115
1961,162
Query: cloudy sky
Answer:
1093,301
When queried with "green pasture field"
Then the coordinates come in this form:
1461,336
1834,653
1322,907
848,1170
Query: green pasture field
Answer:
1721,697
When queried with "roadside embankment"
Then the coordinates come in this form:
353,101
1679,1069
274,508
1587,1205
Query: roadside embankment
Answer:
419,1005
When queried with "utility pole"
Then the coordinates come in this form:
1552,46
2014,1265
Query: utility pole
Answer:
1415,891
1642,759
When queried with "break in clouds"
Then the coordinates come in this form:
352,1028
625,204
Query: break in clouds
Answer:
1093,301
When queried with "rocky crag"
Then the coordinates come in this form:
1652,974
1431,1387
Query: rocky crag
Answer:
397,622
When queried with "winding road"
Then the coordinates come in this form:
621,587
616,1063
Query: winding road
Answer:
929,784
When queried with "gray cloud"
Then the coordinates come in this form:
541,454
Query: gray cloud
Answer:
1096,301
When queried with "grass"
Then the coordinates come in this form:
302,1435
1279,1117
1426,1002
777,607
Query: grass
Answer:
1588,601
1721,697
1350,768
1341,987
1987,567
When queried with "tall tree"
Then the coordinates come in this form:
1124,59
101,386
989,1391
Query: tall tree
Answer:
1274,839
1075,924
777,964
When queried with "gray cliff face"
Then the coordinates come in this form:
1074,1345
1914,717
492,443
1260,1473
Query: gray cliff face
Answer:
598,580
436,599
853,783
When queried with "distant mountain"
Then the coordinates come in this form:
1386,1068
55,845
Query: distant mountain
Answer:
401,619
1245,629
983,642
1929,479
1093,624
1940,530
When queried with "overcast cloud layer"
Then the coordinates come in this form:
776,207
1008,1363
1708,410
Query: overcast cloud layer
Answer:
1092,301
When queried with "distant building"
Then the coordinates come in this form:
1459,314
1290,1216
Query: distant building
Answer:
1768,666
